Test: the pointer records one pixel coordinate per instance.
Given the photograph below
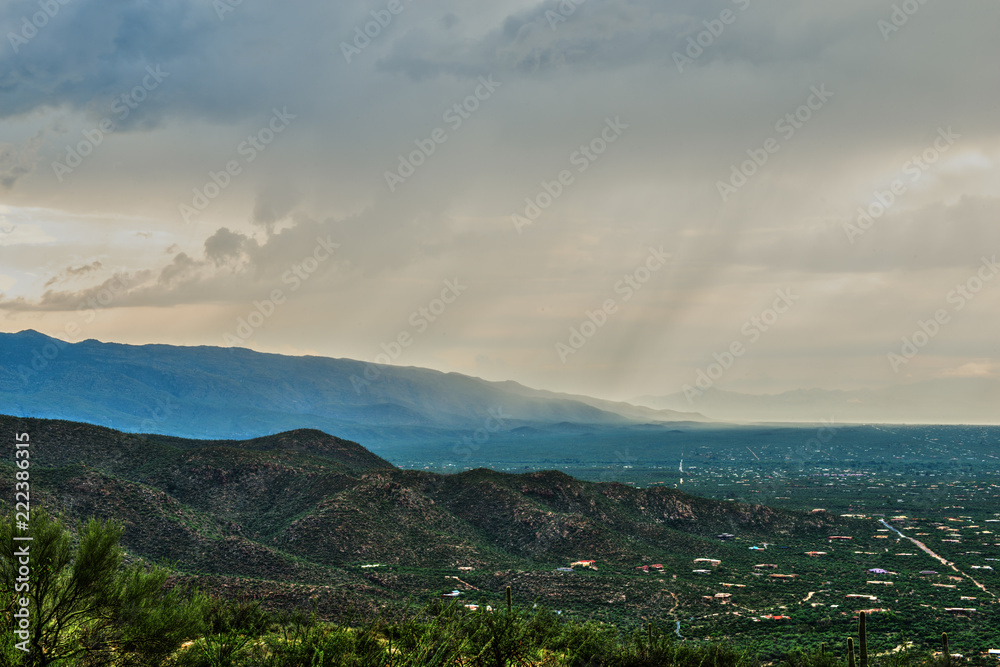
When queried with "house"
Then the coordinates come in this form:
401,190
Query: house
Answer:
453,594
766,565
854,596
584,563
725,536
644,568
995,652
723,596
783,576
564,569
959,610
702,571
656,566
711,561
878,570
840,537
815,554
884,583
927,572
464,569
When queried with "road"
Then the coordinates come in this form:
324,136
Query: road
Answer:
923,547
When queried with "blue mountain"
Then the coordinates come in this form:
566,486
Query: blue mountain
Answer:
214,392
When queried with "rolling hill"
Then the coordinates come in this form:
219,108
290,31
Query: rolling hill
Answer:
304,509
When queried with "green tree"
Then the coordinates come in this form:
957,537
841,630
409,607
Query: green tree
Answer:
85,607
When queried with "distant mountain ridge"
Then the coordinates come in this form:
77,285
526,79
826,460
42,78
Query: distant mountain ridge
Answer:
233,393
958,400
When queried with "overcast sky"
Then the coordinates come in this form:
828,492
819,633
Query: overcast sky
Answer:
114,116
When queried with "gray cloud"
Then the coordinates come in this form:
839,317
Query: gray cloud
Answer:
325,178
73,272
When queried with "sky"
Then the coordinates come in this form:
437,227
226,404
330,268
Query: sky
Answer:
606,197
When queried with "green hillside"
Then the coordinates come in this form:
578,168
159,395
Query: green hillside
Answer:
303,516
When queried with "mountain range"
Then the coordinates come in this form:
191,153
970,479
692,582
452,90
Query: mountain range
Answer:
215,392
955,400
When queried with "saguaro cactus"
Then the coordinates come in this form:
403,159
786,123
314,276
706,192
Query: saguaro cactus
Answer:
863,638
508,600
850,652
947,651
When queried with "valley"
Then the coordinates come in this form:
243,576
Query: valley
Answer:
750,548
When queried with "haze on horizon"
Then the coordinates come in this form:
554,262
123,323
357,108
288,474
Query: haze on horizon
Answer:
236,150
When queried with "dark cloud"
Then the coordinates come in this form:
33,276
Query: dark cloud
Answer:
182,270
226,246
19,160
73,272
111,292
323,180
99,56
273,203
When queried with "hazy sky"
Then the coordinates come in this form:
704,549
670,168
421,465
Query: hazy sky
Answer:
372,175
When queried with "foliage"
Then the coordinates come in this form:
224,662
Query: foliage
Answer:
86,608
